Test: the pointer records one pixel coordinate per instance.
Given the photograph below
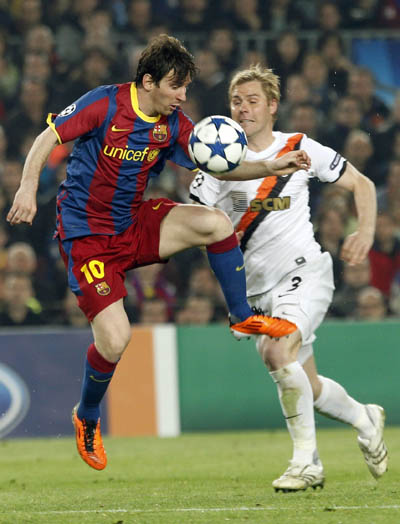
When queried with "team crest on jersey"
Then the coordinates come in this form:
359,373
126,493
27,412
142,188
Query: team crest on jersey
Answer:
160,132
103,288
68,110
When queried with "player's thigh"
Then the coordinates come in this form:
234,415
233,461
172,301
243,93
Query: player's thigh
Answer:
302,296
95,272
189,225
111,331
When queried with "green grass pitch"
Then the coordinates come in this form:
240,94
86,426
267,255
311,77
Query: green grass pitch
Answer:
196,478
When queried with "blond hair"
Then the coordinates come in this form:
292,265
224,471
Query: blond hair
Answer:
269,81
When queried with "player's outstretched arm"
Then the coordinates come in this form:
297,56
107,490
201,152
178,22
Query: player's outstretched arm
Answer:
357,245
24,206
284,165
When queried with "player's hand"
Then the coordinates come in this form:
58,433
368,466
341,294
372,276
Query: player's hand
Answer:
23,209
289,163
356,247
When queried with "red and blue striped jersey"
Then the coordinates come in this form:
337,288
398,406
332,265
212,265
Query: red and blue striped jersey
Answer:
117,149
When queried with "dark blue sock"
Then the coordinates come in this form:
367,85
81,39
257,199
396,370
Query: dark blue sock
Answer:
228,265
95,384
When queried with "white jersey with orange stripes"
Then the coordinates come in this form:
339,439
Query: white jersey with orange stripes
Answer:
272,212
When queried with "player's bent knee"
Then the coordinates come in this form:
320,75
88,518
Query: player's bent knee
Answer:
222,219
112,331
222,226
277,353
209,220
113,348
112,344
276,361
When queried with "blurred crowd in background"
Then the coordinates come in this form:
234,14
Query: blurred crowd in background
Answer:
53,51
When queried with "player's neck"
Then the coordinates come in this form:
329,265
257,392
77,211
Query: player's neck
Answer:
145,103
260,141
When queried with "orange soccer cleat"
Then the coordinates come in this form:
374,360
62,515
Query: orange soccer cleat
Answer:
89,442
262,325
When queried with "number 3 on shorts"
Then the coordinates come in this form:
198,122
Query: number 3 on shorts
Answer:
94,269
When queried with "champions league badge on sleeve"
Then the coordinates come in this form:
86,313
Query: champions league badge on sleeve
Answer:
14,400
198,180
68,110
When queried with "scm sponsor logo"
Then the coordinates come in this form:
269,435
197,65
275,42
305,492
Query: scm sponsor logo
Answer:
270,204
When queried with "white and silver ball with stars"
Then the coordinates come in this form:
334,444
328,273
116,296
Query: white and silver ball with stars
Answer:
217,144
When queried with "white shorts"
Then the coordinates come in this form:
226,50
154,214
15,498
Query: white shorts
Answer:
303,296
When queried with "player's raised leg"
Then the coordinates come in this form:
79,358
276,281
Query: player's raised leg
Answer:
333,401
191,225
111,330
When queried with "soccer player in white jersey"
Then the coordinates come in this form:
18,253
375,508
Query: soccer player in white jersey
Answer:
289,277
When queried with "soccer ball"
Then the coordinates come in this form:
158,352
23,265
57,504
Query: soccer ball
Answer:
217,144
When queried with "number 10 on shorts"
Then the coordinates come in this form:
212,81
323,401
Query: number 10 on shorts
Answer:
94,269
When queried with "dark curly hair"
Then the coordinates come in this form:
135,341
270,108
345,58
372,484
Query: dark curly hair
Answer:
163,54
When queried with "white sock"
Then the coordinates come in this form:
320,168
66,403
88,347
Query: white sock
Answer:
334,402
296,398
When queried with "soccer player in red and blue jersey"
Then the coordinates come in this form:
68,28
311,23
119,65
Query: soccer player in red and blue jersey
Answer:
123,135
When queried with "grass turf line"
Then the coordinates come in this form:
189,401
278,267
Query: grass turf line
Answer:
196,478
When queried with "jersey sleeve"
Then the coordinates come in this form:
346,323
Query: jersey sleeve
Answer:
326,164
179,153
205,189
84,115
